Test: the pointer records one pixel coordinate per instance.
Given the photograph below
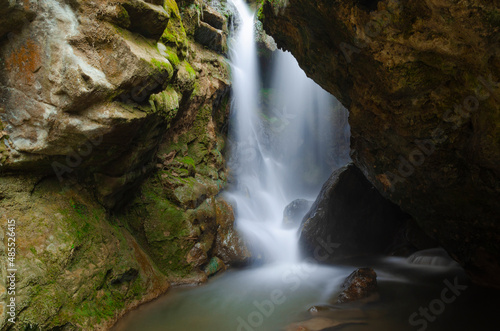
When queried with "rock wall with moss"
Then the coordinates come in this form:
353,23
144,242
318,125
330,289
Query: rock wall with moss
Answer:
113,120
421,82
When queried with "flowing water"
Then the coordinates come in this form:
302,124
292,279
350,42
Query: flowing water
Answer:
287,136
282,143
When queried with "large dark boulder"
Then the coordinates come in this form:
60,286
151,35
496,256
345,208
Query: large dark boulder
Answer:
349,218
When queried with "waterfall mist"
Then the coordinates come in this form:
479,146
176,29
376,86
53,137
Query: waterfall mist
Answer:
286,139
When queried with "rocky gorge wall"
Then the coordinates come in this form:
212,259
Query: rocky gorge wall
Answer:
112,134
421,82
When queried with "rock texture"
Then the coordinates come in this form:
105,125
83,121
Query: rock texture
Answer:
360,284
112,133
77,267
349,218
421,82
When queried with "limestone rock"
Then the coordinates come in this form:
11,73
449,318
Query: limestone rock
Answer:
214,266
432,257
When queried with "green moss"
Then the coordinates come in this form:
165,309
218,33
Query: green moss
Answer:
175,35
188,161
172,57
162,65
190,69
123,16
165,103
260,12
172,8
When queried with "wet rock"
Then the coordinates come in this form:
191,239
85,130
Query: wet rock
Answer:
295,211
411,238
349,218
361,284
14,15
197,255
77,253
122,116
229,245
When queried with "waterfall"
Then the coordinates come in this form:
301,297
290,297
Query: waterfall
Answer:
282,143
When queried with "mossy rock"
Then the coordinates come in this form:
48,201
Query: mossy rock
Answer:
165,103
80,267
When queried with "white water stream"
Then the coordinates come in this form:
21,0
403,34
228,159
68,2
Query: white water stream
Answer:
281,148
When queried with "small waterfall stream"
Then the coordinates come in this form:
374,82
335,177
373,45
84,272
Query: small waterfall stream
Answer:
281,143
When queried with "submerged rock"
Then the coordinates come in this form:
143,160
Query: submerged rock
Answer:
349,218
360,284
295,211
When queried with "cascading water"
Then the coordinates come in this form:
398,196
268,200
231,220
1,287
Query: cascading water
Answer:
282,143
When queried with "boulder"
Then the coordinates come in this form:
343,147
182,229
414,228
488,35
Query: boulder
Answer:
295,211
361,284
349,218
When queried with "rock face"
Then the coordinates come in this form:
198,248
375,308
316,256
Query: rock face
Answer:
420,80
77,267
112,133
349,218
361,284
